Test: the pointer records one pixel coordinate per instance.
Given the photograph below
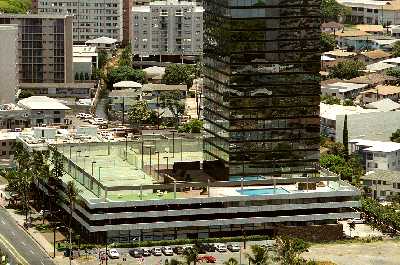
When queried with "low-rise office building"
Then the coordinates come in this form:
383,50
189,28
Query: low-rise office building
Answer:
60,90
13,116
85,59
44,110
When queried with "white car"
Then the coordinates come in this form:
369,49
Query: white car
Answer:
221,247
167,251
234,247
157,252
80,115
113,253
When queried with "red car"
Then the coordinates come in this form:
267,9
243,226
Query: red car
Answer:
207,259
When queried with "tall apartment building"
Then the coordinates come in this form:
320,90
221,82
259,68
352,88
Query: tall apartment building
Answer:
92,18
8,62
44,47
262,87
167,28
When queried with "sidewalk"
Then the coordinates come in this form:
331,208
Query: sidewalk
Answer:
34,234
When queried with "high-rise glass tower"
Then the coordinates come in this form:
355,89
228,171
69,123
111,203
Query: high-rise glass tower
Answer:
262,90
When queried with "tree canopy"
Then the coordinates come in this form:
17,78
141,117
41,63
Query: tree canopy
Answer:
396,49
330,100
15,6
347,69
327,42
332,10
126,57
192,126
124,73
395,136
139,113
176,74
174,102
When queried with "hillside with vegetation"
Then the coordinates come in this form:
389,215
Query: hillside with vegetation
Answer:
15,6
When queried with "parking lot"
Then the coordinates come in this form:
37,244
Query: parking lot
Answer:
219,257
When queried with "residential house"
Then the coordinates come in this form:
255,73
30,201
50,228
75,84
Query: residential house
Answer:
380,92
385,44
7,145
343,90
123,100
374,79
13,116
382,183
374,56
395,31
371,29
353,40
383,105
103,44
331,27
60,90
85,59
340,55
377,154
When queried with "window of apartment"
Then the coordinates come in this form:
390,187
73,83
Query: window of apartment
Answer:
394,185
398,185
3,153
369,10
3,144
376,11
384,182
370,156
379,182
383,193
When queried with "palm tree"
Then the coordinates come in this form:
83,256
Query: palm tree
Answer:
72,195
259,256
174,262
190,255
231,261
289,250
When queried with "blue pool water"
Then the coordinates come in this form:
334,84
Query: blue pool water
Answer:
266,191
246,178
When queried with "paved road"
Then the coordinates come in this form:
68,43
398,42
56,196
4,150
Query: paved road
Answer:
15,241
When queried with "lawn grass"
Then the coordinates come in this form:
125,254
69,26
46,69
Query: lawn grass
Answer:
15,6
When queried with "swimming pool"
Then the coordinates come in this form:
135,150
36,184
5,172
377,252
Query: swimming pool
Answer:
265,191
246,178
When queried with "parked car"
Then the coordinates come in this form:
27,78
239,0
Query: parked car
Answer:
207,259
80,115
136,252
167,251
356,221
178,250
113,253
157,252
146,252
220,247
234,247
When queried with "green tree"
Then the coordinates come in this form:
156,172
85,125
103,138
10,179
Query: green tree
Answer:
395,72
139,113
102,59
290,249
176,74
192,126
81,76
231,261
72,195
331,10
327,41
330,100
126,57
259,256
396,49
124,73
86,76
190,255
25,94
96,74
76,76
348,102
347,69
345,137
395,136
174,102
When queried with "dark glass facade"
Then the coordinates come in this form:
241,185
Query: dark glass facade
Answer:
262,87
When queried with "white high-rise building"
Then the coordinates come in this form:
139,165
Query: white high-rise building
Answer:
167,28
8,63
92,18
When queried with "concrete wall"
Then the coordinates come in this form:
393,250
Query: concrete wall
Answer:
8,63
377,126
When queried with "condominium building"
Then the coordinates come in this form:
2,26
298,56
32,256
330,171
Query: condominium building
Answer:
261,87
92,18
44,47
167,28
8,62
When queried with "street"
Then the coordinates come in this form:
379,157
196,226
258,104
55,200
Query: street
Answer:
16,242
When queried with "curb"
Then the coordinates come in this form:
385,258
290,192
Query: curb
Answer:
34,239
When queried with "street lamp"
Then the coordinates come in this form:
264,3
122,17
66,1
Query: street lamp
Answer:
100,172
150,157
93,162
158,164
166,157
